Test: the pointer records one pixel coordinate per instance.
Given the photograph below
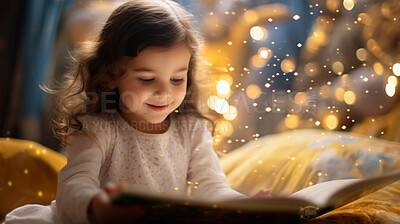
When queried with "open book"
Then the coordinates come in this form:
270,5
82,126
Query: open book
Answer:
304,204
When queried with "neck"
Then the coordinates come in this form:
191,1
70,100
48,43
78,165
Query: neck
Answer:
144,126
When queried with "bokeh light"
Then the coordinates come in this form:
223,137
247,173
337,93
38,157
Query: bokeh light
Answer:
338,67
257,61
221,106
330,122
361,54
231,114
291,121
223,87
253,91
378,68
390,89
211,102
349,97
288,65
396,69
225,128
348,4
258,33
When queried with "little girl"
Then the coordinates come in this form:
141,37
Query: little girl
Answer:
128,116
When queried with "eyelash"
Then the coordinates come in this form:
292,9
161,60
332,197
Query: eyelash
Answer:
152,79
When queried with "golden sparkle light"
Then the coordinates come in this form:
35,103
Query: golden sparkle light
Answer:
258,61
225,128
349,97
288,65
253,91
258,33
231,114
331,122
392,80
264,52
211,102
361,54
378,68
221,106
338,67
223,87
301,98
390,89
396,69
292,121
348,4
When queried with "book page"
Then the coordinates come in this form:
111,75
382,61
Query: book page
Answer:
339,192
320,193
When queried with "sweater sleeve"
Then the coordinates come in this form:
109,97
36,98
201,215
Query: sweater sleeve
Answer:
206,179
78,181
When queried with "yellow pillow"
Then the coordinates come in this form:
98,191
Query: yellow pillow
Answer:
28,174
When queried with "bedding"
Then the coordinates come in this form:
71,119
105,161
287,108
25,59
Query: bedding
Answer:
285,163
292,160
28,174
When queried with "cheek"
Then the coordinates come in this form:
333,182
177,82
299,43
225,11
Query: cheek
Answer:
181,92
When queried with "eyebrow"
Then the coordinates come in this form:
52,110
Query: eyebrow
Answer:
153,71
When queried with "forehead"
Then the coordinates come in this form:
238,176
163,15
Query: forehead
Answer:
161,58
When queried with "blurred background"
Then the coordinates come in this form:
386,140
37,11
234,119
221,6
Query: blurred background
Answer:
271,65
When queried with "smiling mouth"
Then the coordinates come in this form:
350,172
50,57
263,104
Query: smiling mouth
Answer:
158,108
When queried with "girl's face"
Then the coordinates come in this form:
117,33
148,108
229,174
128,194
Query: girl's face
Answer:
154,84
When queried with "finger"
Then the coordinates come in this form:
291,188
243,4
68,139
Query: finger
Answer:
112,188
265,191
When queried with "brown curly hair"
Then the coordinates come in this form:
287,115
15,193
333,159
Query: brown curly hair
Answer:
98,65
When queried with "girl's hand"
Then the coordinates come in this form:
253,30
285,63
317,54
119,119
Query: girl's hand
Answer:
264,193
102,210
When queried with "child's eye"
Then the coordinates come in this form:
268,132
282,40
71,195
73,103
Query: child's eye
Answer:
177,80
146,79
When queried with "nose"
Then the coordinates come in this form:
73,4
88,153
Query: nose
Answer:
162,90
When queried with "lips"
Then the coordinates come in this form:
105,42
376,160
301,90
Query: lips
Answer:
158,107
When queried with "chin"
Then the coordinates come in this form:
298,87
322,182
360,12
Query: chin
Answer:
156,120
